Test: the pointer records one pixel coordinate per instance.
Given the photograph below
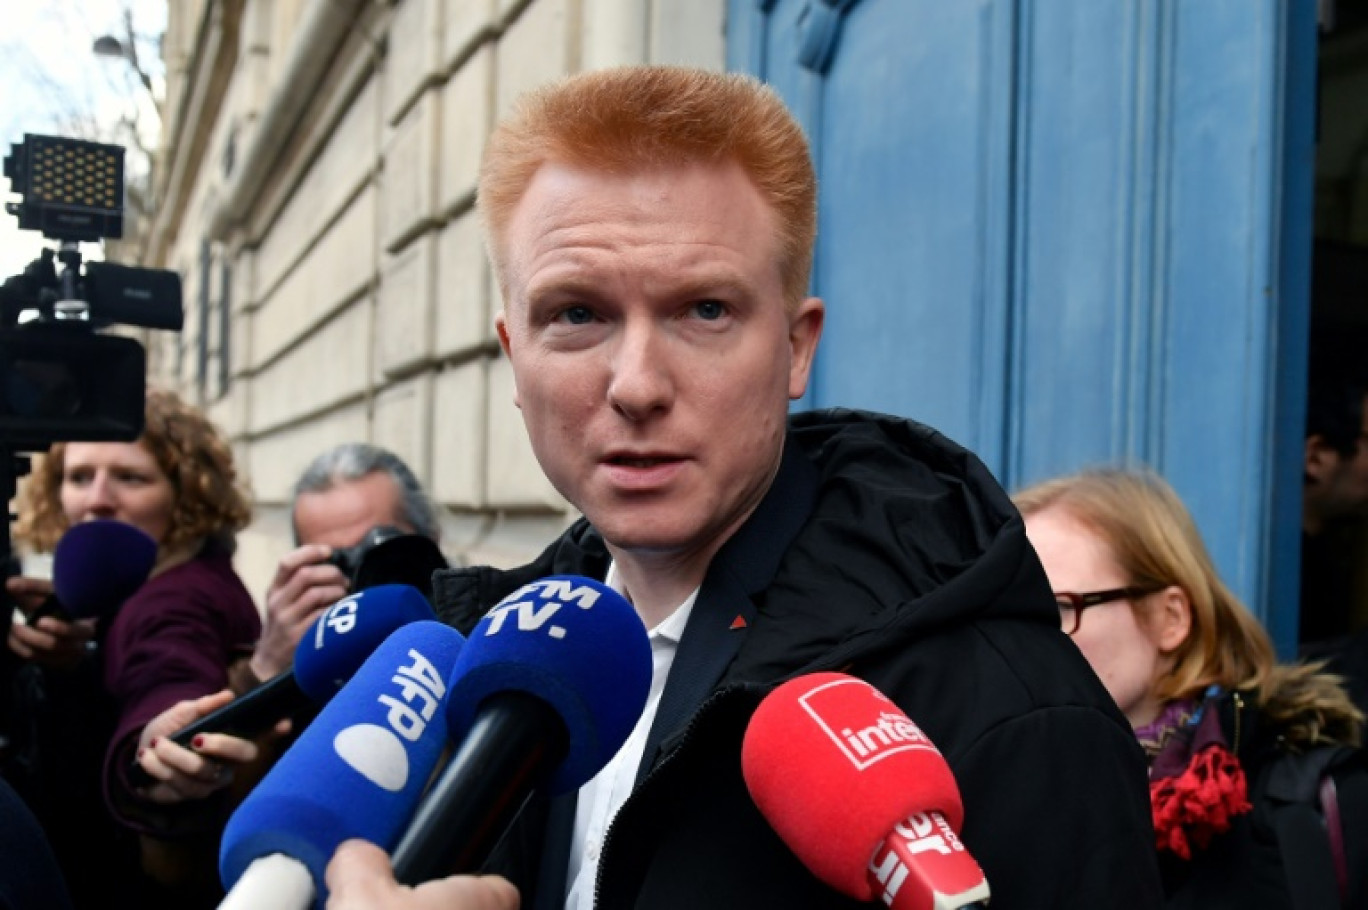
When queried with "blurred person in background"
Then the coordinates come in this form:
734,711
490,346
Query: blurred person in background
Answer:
185,634
343,494
1334,615
1258,787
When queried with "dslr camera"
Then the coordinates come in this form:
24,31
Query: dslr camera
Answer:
387,555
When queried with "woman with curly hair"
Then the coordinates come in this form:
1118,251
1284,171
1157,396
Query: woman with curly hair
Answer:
180,636
1258,788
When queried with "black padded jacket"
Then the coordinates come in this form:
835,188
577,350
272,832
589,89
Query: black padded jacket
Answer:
884,550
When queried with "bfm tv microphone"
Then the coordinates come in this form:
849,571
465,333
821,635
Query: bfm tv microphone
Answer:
96,566
356,771
337,643
860,795
550,685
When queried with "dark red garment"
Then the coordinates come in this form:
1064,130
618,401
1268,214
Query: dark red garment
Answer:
173,640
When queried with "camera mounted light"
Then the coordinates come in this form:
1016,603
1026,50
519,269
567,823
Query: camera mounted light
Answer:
72,189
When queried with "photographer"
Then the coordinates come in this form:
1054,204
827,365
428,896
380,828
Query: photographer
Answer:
342,495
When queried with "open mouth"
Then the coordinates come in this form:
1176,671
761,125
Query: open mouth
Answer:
639,462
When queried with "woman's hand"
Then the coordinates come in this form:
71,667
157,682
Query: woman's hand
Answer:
182,774
51,642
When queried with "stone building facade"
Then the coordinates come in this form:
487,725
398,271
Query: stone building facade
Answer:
315,190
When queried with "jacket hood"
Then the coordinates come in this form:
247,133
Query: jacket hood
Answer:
876,530
913,532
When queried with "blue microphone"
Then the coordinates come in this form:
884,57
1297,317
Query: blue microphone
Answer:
550,685
337,643
357,771
96,566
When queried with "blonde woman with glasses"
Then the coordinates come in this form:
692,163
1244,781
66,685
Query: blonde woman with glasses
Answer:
1258,788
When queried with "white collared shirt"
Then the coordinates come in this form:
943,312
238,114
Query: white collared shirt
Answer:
600,799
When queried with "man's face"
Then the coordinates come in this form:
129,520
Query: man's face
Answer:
342,514
1339,482
652,352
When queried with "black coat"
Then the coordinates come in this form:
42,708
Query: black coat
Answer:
1244,867
885,551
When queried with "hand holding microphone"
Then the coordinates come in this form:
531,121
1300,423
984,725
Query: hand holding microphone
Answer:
96,566
333,648
338,643
360,878
46,640
168,773
860,795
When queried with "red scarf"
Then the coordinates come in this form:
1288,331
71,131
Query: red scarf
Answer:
1196,784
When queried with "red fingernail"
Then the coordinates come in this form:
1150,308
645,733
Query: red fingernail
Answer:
140,754
153,743
197,741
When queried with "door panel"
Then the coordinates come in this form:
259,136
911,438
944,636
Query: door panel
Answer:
1069,232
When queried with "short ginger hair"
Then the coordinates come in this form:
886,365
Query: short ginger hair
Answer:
636,118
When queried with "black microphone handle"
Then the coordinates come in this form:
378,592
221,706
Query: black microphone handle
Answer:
247,715
50,606
252,712
515,740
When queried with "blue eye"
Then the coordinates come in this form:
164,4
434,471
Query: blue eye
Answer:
577,315
710,309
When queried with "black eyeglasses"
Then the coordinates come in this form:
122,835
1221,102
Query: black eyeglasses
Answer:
1071,606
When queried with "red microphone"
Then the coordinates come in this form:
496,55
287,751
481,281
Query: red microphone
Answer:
860,795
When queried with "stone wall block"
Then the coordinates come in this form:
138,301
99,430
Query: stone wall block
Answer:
402,423
458,430
408,178
328,367
515,480
466,121
339,267
403,328
463,317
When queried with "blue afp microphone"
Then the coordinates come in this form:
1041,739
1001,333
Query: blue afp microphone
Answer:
357,771
549,686
337,643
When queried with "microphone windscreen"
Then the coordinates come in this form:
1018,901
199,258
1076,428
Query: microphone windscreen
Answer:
359,768
97,565
345,634
576,644
834,766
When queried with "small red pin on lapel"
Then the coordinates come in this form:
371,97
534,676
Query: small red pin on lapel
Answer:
739,622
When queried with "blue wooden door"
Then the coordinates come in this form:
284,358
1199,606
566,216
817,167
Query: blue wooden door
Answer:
1068,232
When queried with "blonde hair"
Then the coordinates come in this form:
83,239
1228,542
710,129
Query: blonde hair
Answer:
635,118
208,501
1156,544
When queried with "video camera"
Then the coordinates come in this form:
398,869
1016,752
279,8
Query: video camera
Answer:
61,379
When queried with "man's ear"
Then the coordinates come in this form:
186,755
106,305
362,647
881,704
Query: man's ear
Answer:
1320,459
805,330
501,327
1171,618
505,342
